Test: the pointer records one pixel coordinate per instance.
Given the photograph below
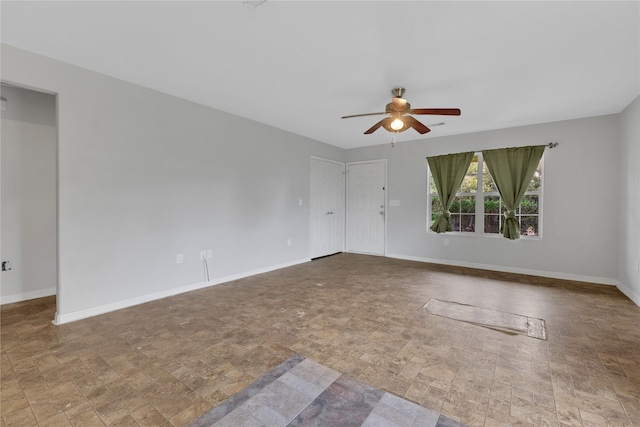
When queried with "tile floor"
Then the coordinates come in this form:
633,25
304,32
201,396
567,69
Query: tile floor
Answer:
168,362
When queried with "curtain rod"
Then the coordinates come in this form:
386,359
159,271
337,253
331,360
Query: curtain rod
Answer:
550,145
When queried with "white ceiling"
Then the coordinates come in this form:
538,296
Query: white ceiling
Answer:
301,65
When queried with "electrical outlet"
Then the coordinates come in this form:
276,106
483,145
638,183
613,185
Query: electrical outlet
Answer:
203,255
209,253
446,242
179,258
288,242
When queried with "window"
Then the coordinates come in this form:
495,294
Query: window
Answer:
477,208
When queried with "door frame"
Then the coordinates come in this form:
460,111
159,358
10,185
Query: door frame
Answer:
346,204
344,198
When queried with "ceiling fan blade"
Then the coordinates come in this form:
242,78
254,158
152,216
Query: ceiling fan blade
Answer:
362,115
412,122
377,125
436,111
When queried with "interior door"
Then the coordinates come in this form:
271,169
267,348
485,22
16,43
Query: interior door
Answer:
327,207
366,183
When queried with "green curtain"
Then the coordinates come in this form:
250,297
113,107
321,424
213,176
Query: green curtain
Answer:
512,170
448,172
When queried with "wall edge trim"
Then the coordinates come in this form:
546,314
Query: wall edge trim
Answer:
551,274
25,296
633,296
107,308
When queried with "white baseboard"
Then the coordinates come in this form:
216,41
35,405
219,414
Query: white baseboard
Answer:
102,309
633,296
25,296
541,273
95,311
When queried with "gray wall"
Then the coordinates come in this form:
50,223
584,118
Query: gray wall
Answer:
629,209
144,176
580,199
28,151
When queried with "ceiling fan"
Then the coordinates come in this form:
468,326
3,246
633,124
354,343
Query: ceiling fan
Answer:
400,118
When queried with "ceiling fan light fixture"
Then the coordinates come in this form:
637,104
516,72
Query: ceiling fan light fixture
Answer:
397,124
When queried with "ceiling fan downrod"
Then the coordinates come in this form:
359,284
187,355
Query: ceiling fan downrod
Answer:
398,92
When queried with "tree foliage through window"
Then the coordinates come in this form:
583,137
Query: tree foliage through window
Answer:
478,208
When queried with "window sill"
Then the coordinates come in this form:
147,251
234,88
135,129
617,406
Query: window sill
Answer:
488,235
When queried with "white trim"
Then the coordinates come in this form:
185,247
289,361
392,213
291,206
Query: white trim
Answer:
367,253
102,309
24,296
633,296
550,274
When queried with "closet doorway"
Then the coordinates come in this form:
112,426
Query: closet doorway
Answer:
28,205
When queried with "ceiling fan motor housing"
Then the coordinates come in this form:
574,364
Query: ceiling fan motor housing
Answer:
397,107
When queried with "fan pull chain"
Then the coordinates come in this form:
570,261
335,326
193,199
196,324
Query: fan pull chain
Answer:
393,140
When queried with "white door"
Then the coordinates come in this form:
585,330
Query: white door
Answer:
327,208
366,206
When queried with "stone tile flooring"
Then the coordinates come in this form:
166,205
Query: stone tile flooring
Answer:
302,393
170,361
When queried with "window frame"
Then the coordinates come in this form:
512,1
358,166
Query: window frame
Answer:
480,195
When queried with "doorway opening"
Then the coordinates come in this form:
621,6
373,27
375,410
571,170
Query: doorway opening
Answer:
29,194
